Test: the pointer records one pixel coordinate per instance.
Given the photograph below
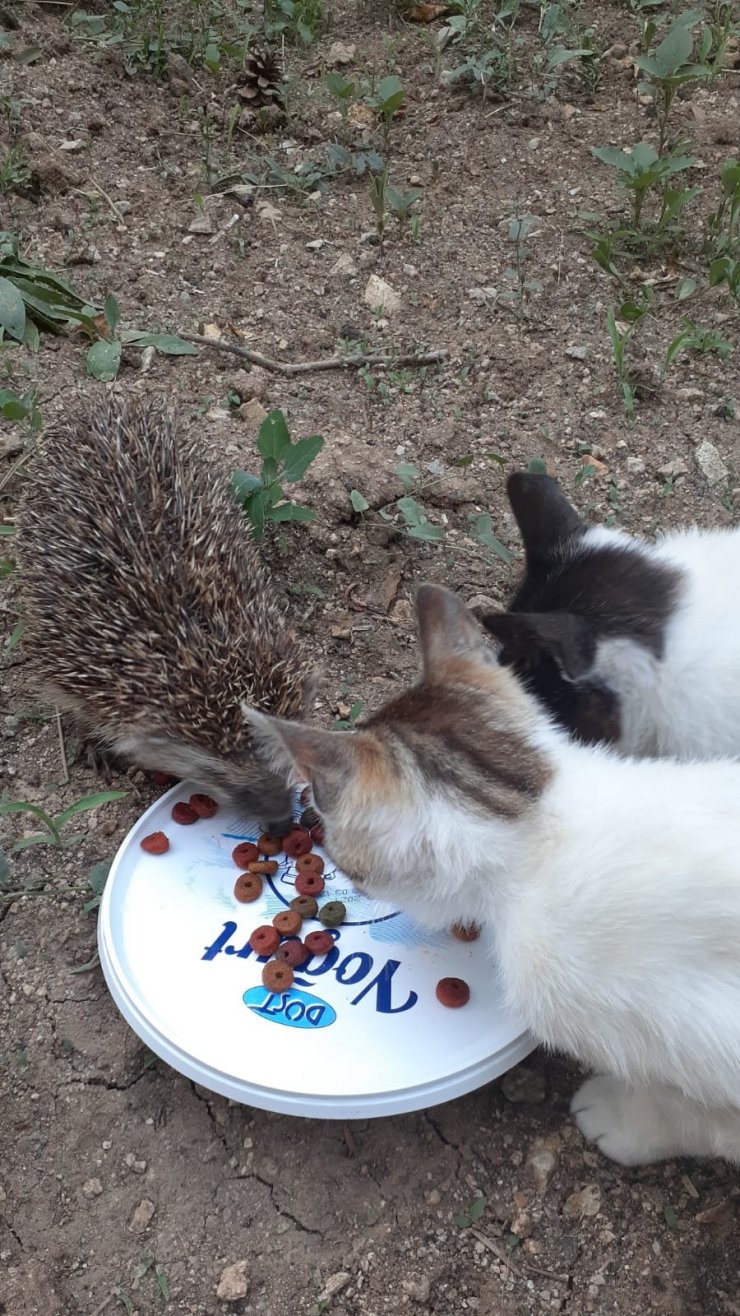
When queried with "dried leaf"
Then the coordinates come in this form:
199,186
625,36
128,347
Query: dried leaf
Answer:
426,13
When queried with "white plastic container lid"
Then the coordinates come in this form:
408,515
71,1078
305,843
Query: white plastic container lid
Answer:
359,1034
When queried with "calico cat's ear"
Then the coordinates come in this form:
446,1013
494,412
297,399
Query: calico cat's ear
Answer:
543,514
327,760
568,640
447,629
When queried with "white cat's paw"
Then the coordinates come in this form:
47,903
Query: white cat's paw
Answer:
624,1123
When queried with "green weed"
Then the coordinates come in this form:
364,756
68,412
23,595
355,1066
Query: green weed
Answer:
54,824
262,496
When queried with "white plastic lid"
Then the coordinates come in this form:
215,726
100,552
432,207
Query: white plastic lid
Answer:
360,1033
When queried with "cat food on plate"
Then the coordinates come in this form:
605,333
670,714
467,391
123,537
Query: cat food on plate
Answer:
306,906
277,976
182,813
268,867
296,842
309,818
247,888
318,943
269,845
310,863
452,992
288,922
155,843
465,931
309,884
244,854
332,914
265,940
293,952
203,805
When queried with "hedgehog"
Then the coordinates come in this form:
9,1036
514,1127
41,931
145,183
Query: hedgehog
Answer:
149,613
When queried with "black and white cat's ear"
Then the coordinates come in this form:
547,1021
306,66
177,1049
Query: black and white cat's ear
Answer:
522,636
324,759
543,514
447,629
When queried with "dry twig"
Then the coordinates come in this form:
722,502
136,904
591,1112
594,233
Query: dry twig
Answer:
328,363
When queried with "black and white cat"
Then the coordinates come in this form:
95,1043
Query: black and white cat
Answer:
625,641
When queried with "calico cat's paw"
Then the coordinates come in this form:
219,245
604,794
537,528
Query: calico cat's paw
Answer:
626,1124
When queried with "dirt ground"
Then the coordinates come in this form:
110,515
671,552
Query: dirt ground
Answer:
123,1187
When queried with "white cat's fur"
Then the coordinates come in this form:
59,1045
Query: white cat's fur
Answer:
611,904
687,704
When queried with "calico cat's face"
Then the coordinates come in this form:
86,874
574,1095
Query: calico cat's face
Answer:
582,586
407,799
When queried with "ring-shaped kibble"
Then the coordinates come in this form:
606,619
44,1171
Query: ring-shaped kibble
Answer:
245,854
182,813
452,992
309,884
318,943
332,914
296,842
203,805
288,922
277,976
155,843
465,931
309,818
293,952
317,834
310,863
306,906
269,845
264,940
268,867
248,887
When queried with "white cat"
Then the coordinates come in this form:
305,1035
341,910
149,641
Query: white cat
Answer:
625,641
608,889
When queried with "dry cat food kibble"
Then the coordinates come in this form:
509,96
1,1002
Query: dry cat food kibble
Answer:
269,845
293,952
277,976
296,842
287,922
318,943
155,843
309,818
309,884
306,906
465,931
310,863
244,854
267,866
248,887
452,992
332,914
265,940
182,813
204,806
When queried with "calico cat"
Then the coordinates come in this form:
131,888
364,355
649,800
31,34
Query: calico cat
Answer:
608,888
625,642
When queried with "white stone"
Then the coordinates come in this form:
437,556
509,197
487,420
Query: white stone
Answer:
710,463
380,296
233,1283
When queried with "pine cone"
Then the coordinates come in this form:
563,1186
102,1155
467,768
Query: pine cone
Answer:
262,80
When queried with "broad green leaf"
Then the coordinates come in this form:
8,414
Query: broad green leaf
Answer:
674,49
12,407
483,531
477,1208
255,508
111,312
561,56
538,466
358,501
611,155
684,289
299,456
88,802
390,95
291,512
98,876
411,511
425,530
408,474
12,310
243,483
644,156
4,868
104,359
274,437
